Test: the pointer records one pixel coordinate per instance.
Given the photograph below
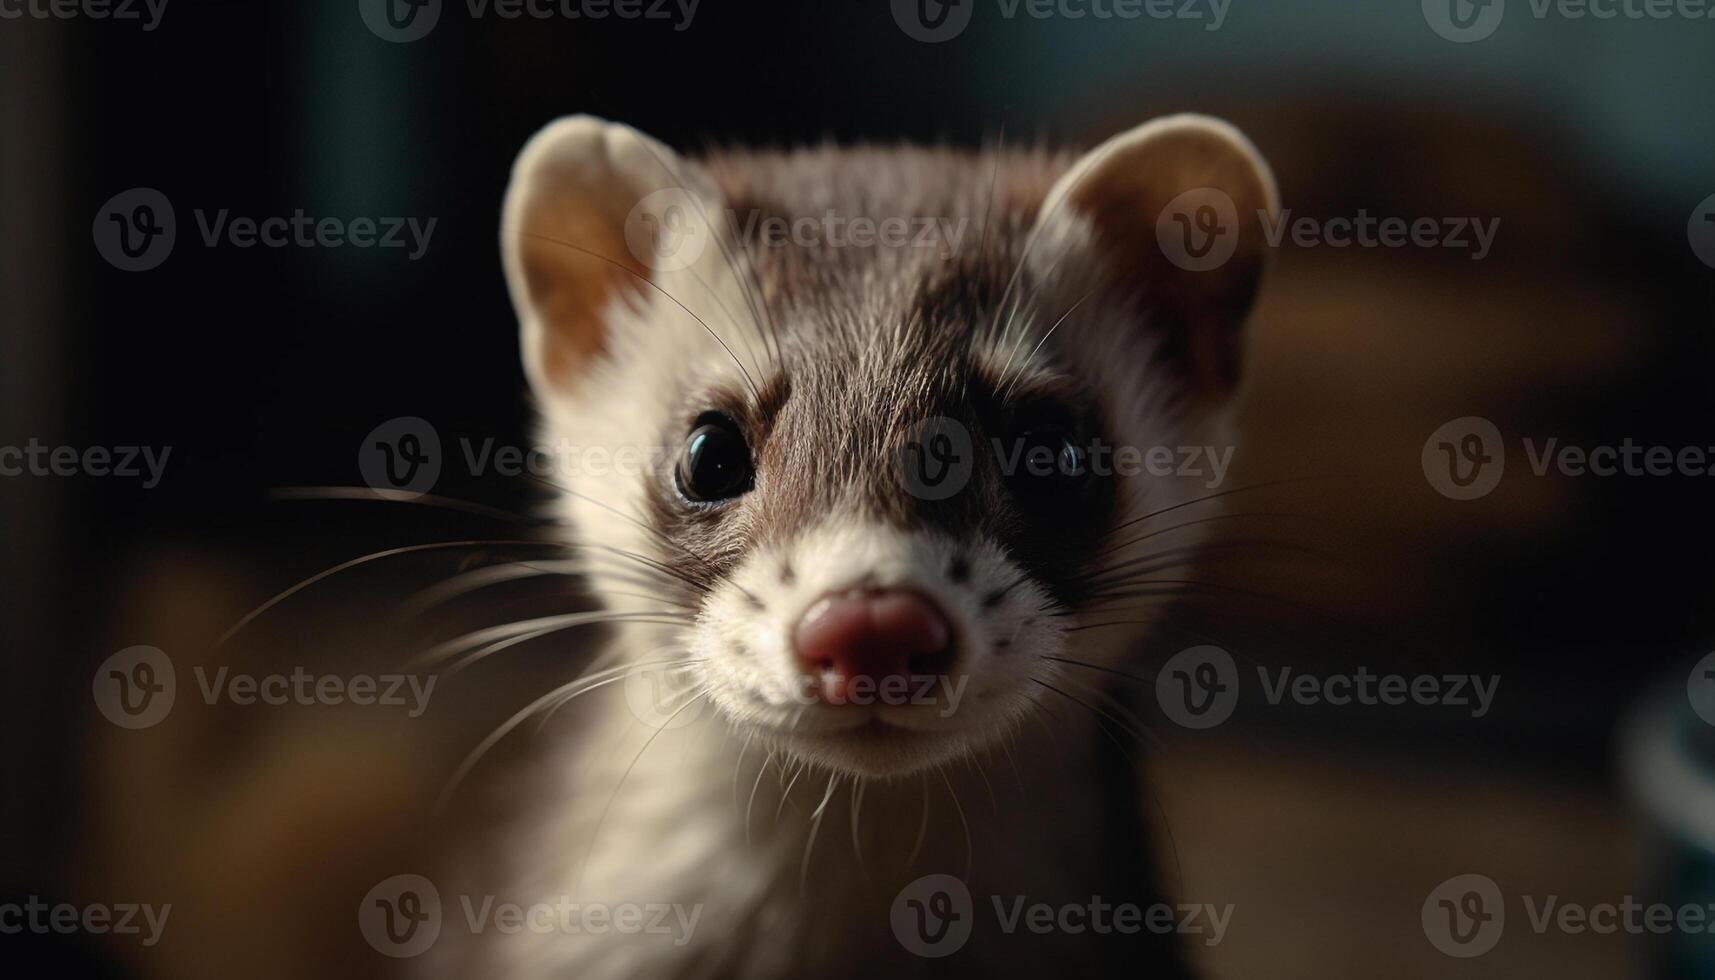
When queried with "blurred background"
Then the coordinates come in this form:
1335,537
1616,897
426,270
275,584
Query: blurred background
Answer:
1591,142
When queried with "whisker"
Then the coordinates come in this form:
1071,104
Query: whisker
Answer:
1006,395
1163,625
1121,710
1100,714
857,806
1006,748
1201,520
452,647
970,845
922,826
571,689
994,179
1042,221
1265,485
512,641
815,829
652,285
752,302
464,583
738,766
657,532
625,776
786,793
994,804
381,495
364,560
751,806
1195,588
1130,570
1147,682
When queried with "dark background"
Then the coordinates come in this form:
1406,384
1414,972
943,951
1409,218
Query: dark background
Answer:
265,367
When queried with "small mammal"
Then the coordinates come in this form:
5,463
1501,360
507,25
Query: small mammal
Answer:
870,679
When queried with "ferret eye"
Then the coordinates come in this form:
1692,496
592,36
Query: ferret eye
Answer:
1050,459
716,462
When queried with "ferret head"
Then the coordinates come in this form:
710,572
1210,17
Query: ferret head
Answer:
848,430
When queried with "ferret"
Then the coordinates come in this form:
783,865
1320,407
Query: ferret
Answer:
875,595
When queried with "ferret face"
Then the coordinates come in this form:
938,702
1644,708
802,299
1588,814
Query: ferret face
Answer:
875,493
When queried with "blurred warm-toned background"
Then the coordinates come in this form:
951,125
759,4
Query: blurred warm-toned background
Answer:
1592,143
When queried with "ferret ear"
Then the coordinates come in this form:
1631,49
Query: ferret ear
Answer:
1175,211
596,212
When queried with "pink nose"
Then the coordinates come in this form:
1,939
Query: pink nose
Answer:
871,634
